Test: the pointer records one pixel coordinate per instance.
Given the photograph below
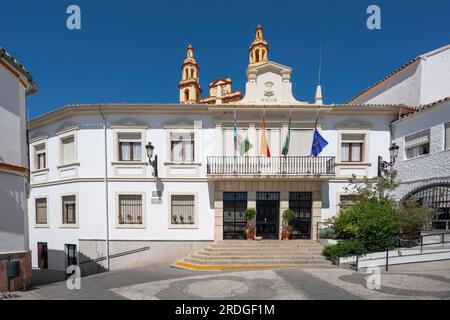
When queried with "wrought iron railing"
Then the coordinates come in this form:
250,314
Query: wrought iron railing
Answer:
300,165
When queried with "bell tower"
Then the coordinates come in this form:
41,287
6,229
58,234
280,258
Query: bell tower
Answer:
189,86
259,49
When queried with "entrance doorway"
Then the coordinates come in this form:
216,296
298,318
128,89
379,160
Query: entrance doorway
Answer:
301,204
267,214
234,205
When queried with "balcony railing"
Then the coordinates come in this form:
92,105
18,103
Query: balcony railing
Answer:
230,165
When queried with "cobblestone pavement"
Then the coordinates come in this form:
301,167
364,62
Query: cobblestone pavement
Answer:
419,281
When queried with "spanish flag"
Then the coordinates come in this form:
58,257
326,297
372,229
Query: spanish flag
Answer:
264,150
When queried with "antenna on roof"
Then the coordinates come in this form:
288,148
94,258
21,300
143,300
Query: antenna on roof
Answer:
318,96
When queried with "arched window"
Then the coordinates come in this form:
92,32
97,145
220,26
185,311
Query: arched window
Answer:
257,55
186,71
263,55
186,95
192,73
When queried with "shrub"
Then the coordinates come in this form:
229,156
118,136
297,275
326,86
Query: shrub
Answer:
346,224
327,233
250,214
344,248
288,215
413,217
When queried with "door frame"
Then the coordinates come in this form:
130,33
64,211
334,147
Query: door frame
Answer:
274,199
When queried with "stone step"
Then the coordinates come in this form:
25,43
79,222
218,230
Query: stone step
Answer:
251,258
280,247
256,262
267,242
266,250
191,266
259,254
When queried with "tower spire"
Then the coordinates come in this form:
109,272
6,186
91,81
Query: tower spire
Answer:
189,85
259,49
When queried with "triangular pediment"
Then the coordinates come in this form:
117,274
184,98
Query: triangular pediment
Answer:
353,123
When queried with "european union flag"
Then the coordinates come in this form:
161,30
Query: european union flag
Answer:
318,143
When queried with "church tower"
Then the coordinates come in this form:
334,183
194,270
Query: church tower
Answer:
190,90
259,49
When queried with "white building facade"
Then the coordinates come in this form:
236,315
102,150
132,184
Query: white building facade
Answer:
96,196
15,85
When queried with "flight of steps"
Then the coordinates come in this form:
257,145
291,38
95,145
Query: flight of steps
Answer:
242,254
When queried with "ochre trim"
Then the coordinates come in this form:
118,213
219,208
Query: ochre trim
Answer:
14,73
10,167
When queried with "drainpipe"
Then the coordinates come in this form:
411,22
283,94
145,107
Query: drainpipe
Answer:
106,187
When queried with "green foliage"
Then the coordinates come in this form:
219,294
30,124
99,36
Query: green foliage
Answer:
373,220
250,214
413,217
327,233
288,215
344,248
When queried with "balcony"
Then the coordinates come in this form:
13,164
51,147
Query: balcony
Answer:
286,167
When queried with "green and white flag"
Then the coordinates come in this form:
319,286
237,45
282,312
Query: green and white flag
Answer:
285,150
245,146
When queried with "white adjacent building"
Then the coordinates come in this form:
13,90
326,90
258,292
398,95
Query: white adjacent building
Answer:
94,194
15,85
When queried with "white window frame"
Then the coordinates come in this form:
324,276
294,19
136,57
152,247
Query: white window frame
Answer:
61,137
446,139
41,225
144,212
77,209
413,134
131,130
34,155
183,226
169,145
365,154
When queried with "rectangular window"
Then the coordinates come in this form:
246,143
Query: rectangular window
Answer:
346,201
182,147
40,160
352,147
69,209
183,209
41,211
417,144
130,147
130,209
300,142
42,253
447,136
68,150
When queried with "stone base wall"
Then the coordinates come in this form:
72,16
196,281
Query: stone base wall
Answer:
24,280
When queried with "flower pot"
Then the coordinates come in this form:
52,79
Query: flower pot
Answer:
285,235
250,234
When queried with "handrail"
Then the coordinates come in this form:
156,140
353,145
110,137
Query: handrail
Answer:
117,255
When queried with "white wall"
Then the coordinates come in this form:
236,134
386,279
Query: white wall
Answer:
416,172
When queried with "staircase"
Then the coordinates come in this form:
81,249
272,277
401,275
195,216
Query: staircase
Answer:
241,254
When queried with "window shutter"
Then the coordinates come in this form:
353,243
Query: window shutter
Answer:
41,211
417,139
68,150
447,136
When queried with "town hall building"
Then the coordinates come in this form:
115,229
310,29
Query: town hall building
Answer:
122,185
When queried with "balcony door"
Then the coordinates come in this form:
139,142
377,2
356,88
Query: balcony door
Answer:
234,205
267,214
301,204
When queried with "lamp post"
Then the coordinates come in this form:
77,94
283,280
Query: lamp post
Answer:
154,163
383,166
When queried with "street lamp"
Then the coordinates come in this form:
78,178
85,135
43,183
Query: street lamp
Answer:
154,163
384,165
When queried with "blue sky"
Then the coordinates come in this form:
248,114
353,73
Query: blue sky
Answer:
131,51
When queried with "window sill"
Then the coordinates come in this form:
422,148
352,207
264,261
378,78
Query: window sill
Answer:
369,164
418,157
65,165
131,163
173,163
183,226
40,170
43,226
69,226
130,226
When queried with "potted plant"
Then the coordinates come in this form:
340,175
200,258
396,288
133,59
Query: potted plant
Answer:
181,219
286,232
250,228
190,220
120,220
139,219
174,218
130,218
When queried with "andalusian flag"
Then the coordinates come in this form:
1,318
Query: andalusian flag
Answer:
245,146
285,150
265,151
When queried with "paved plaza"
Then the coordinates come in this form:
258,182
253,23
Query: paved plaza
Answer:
417,281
